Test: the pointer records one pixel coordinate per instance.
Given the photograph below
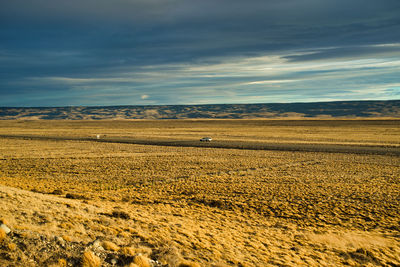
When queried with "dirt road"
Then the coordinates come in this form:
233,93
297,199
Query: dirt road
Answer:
303,147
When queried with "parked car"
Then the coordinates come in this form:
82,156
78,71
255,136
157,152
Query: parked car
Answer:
206,139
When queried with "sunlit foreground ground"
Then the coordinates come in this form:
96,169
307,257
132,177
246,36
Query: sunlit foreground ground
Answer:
200,206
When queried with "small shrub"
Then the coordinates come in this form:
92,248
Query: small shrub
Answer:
2,235
120,214
142,261
128,251
12,246
67,238
75,196
57,192
62,263
186,263
90,260
108,245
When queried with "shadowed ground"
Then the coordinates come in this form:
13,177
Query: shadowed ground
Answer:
339,109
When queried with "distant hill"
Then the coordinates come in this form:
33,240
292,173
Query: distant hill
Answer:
339,109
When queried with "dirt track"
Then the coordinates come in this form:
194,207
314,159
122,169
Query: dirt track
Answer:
304,147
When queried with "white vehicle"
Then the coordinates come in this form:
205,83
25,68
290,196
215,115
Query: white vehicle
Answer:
206,139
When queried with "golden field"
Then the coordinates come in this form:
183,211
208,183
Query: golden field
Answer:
180,202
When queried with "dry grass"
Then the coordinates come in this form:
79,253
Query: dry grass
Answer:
2,235
378,132
183,205
90,260
142,261
108,245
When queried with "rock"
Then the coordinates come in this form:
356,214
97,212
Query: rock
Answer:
60,241
144,251
97,244
5,228
154,263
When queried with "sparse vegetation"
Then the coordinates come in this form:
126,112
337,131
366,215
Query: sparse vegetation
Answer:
202,206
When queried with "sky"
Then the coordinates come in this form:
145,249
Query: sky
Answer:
167,52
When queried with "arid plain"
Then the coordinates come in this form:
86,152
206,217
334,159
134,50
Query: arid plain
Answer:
262,193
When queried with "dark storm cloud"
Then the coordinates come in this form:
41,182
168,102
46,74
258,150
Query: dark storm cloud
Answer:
44,41
299,11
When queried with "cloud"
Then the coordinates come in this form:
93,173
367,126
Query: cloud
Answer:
143,97
300,11
270,82
193,51
348,52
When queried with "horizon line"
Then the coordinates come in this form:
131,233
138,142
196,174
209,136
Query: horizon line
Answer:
218,104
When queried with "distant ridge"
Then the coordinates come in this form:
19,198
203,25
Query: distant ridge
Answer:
337,109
